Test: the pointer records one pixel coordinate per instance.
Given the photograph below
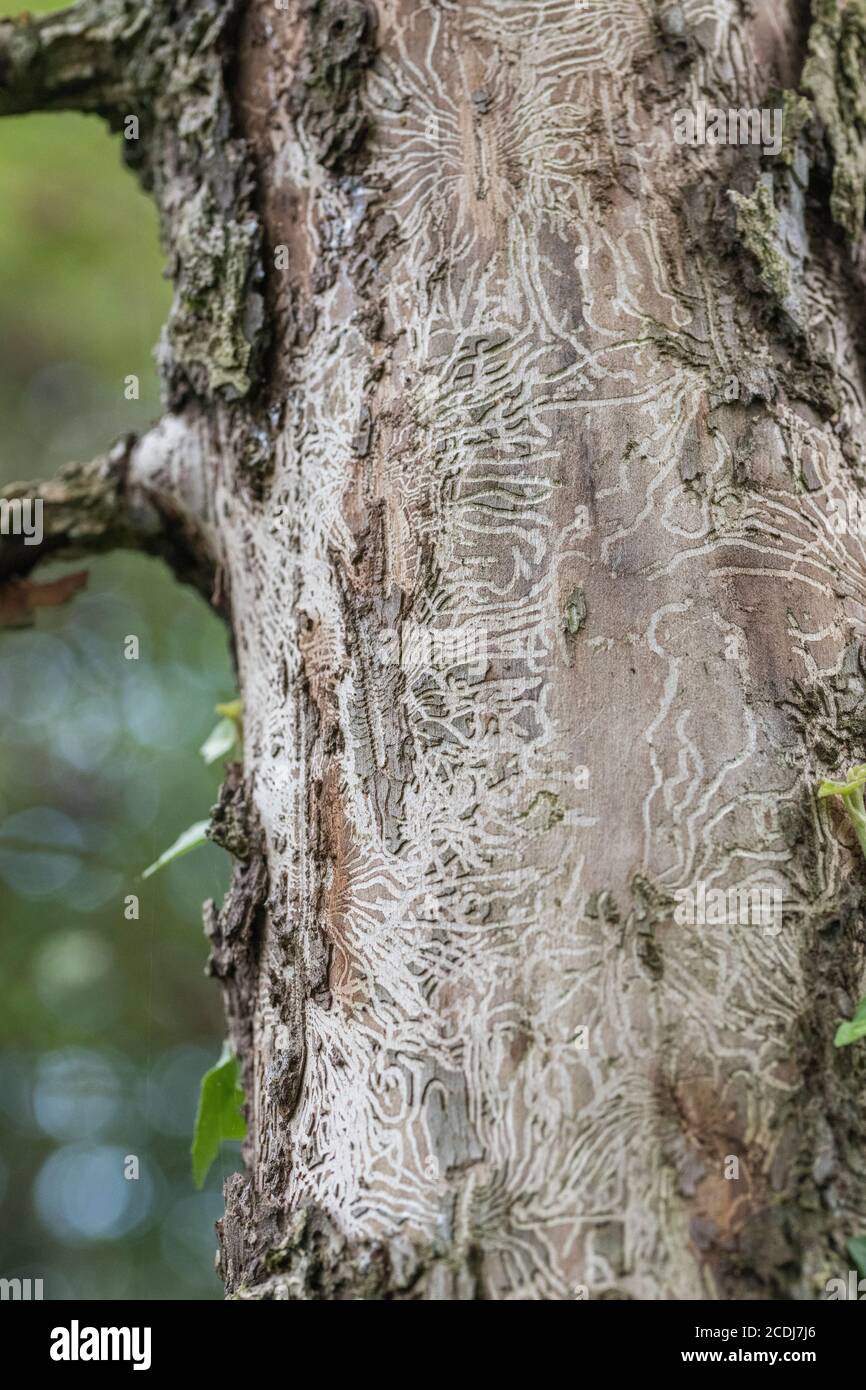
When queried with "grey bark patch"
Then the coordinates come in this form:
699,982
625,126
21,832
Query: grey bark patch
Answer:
266,1257
452,1136
325,96
229,819
651,907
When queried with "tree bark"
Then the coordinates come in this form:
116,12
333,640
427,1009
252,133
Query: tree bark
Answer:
515,440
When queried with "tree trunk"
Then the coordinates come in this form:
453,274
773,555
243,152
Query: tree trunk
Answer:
523,448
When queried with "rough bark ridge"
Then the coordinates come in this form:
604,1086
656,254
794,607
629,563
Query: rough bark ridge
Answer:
593,402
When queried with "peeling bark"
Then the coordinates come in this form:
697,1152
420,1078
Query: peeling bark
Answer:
530,372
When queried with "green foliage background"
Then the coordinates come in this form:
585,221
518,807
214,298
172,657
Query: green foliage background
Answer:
107,1024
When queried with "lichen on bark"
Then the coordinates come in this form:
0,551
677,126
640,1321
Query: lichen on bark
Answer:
757,224
835,77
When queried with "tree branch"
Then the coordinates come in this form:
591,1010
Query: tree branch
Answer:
147,495
73,60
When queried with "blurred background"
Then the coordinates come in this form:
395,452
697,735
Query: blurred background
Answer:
107,1024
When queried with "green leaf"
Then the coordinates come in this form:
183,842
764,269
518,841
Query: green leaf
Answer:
855,779
219,741
190,839
831,789
219,1114
849,1032
857,1251
228,732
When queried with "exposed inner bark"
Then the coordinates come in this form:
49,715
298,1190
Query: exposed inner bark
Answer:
532,378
